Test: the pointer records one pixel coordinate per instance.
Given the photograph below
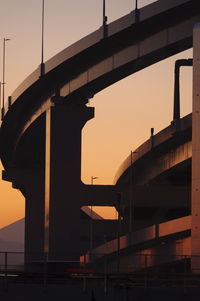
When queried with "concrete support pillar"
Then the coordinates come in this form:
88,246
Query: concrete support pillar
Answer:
63,179
31,183
195,234
34,217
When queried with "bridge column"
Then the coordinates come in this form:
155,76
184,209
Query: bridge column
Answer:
64,123
34,217
31,183
195,233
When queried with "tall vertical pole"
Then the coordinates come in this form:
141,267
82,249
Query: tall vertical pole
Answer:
91,218
195,231
47,181
131,193
104,19
118,231
4,71
0,100
42,46
176,92
131,207
6,270
104,12
136,12
4,65
178,65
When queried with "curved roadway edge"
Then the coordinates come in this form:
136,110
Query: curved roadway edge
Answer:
95,62
166,149
145,242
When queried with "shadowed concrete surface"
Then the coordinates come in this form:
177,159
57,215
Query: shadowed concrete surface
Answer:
95,293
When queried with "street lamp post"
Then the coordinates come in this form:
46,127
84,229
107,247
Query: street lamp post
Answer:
0,99
42,68
4,71
131,193
118,230
104,13
91,217
136,12
104,19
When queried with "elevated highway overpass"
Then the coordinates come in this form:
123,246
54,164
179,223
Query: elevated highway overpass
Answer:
95,62
161,206
41,130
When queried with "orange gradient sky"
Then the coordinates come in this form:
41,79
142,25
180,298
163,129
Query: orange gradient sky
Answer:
124,112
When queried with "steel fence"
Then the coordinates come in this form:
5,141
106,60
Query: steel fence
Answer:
135,270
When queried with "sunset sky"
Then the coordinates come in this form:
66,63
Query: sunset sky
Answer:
124,112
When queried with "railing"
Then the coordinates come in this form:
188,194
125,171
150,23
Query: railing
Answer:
135,270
